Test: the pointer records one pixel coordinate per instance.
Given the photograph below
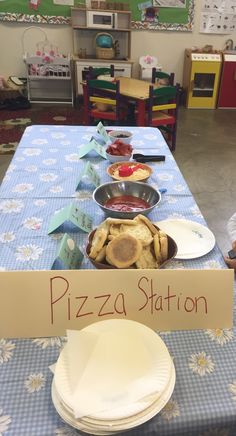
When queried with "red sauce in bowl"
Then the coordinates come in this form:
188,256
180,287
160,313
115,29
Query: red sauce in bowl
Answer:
126,203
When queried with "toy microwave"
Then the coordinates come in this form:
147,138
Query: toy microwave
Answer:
102,20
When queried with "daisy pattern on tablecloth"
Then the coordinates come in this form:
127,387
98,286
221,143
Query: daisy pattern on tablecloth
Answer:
5,420
220,336
6,350
166,177
40,203
137,142
40,141
22,188
34,382
179,188
170,199
58,135
7,237
212,264
31,168
175,264
176,216
32,151
56,189
150,136
201,364
232,389
196,211
11,168
171,410
28,252
49,161
56,341
11,206
48,177
73,157
32,223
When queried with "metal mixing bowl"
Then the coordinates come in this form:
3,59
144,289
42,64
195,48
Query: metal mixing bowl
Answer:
137,189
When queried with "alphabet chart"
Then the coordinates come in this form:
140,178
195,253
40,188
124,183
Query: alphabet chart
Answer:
218,16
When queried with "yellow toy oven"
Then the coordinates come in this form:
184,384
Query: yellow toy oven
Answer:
201,79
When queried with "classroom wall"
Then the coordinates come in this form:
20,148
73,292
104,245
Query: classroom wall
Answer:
167,46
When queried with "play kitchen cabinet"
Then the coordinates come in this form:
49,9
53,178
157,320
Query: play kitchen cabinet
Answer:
87,26
227,93
121,69
201,79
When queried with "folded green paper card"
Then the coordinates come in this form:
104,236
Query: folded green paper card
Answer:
92,145
68,255
102,131
73,215
90,172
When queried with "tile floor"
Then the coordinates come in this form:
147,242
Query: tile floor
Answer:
206,143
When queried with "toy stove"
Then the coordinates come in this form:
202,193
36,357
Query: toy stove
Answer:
201,79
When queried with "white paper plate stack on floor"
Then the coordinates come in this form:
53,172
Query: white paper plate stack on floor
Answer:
112,376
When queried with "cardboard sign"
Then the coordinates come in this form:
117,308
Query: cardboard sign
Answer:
68,254
72,214
102,131
92,145
46,303
91,173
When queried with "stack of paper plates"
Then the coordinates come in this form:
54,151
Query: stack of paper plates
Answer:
123,380
193,239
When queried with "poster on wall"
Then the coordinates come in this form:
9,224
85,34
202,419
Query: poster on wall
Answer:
218,16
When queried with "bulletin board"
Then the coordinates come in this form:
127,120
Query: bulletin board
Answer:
26,11
163,16
146,15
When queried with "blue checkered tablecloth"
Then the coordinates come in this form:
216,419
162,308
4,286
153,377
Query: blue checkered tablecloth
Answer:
41,179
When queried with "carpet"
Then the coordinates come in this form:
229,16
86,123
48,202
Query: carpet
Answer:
14,122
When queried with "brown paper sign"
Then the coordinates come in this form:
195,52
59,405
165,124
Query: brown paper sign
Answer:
46,303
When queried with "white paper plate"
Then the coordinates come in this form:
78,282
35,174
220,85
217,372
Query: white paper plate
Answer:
193,239
109,428
69,419
158,376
